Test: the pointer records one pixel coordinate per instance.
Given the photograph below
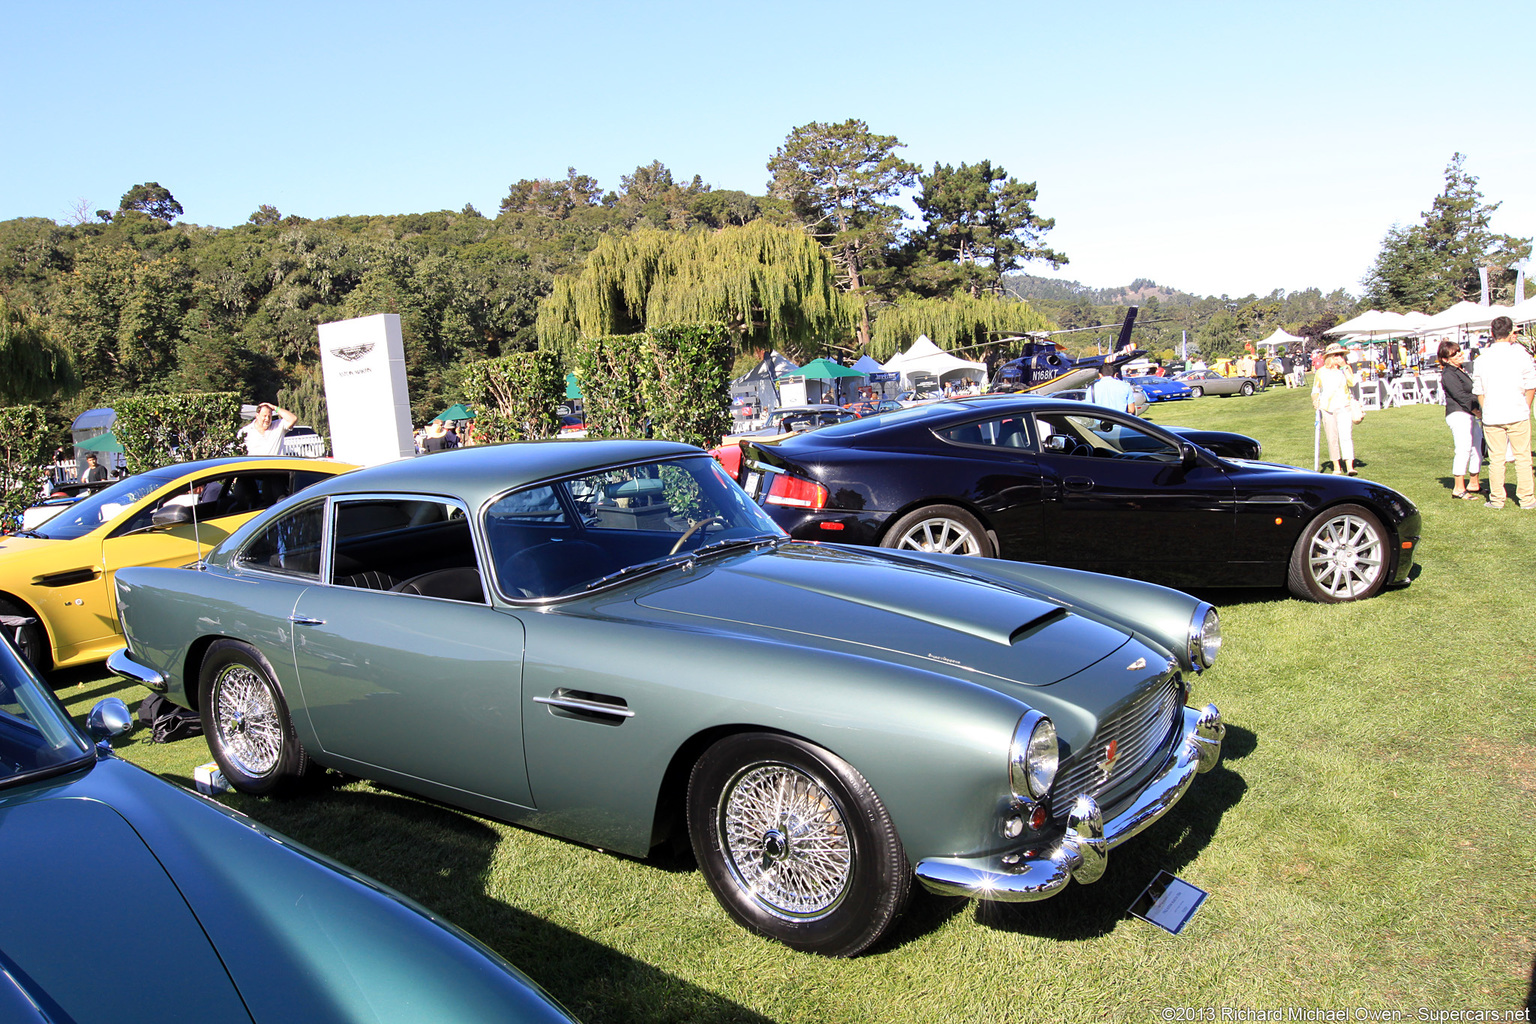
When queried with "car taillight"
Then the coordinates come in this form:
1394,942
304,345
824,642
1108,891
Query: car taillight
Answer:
796,492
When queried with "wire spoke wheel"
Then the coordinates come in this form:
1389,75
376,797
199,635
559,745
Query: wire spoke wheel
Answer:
795,844
246,721
785,841
250,728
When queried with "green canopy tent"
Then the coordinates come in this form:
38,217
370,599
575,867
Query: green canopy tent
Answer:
104,442
821,369
454,413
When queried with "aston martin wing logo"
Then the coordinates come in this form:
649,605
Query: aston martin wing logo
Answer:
1111,752
352,353
1137,665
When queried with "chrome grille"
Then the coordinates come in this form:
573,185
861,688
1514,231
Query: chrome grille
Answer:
1140,728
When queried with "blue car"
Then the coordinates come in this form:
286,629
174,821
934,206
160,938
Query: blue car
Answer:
1162,389
107,866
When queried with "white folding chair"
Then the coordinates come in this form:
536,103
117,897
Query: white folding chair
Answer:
1370,395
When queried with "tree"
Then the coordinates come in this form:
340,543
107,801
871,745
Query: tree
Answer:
838,179
265,216
553,199
1436,263
151,198
33,367
982,222
772,286
962,322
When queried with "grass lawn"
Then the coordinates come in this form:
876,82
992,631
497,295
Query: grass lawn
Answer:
1366,843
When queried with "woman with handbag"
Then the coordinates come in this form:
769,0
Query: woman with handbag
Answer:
1336,405
1464,416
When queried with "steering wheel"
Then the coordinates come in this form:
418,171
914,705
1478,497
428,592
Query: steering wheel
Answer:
695,528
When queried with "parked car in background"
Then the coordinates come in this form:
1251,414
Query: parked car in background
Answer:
1209,382
873,407
60,573
1161,389
786,419
1088,487
611,642
242,923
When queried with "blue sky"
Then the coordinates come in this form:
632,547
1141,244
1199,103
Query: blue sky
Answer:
1222,148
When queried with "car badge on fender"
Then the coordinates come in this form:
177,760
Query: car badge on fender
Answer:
1139,663
1111,752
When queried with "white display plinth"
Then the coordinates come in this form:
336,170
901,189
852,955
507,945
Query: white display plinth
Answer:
363,364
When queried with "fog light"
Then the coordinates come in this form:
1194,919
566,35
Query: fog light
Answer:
1013,827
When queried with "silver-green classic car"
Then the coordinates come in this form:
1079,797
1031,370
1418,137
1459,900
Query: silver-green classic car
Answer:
609,641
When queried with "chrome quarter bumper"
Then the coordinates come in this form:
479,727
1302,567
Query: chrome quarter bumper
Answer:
1083,852
122,663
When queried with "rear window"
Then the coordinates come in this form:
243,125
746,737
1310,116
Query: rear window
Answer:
853,428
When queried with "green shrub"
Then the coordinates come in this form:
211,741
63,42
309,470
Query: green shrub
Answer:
686,382
157,430
515,397
609,368
23,440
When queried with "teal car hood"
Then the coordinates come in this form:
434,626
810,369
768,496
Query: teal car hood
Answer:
121,870
921,611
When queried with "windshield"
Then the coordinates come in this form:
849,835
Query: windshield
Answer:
556,538
104,506
35,734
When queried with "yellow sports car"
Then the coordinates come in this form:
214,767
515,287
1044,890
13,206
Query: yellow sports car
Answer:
61,573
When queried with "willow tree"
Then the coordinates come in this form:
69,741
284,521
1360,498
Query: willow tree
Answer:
773,287
33,366
965,321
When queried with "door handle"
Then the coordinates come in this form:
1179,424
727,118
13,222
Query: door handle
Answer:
1077,483
305,620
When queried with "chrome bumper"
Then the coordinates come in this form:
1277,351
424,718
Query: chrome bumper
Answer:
122,663
1083,852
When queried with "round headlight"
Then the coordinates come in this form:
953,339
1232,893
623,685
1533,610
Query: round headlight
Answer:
1204,636
1032,757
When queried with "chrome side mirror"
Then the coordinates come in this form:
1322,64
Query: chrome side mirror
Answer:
109,718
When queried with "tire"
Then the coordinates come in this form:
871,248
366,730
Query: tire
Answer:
796,845
31,641
246,721
1247,388
1195,392
1341,556
942,528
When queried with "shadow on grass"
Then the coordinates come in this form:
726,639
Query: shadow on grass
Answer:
1081,912
442,858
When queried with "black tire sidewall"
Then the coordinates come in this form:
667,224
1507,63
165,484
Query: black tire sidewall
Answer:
292,761
880,882
34,644
1197,392
892,537
1247,389
1300,580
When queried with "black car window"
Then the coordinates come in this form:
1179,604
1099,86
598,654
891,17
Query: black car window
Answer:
408,545
1101,437
217,496
1009,431
290,544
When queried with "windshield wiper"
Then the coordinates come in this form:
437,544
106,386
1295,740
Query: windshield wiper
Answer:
664,562
28,533
757,540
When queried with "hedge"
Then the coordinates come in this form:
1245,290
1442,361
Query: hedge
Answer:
515,396
158,430
23,466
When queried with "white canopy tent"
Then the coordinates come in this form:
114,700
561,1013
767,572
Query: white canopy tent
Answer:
926,357
1523,312
1281,337
1374,324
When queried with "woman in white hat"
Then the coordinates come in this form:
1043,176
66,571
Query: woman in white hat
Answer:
1332,398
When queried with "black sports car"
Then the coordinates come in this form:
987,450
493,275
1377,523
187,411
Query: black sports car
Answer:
1044,480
